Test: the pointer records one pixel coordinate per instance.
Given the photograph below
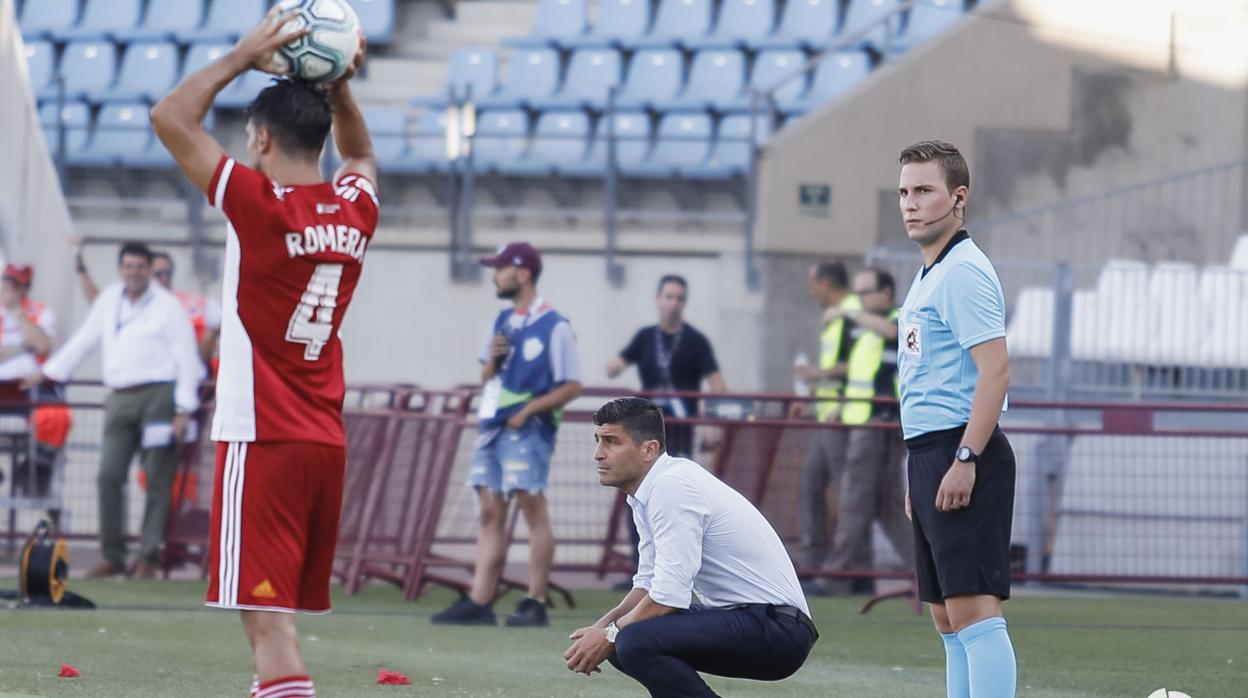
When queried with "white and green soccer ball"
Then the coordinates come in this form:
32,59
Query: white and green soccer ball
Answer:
325,53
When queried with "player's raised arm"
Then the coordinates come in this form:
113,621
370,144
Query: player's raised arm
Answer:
355,146
178,118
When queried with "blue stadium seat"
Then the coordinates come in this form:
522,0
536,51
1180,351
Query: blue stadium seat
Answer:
468,68
863,13
731,154
376,19
388,128
684,140
201,54
42,19
769,68
716,80
617,20
740,22
806,24
532,74
88,67
559,137
632,145
835,73
556,20
926,19
148,71
502,138
226,20
675,22
427,148
119,129
41,62
591,74
76,119
102,18
654,76
243,90
166,20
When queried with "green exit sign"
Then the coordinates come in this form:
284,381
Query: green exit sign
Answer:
814,199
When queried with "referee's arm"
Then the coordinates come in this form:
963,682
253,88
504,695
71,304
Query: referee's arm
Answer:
993,362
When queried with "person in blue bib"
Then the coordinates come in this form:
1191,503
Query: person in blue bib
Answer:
954,373
530,371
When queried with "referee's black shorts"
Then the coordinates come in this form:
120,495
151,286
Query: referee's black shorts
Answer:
965,551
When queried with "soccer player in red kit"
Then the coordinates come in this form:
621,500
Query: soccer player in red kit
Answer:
294,249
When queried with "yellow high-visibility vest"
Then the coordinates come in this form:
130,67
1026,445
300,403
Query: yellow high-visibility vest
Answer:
829,343
866,358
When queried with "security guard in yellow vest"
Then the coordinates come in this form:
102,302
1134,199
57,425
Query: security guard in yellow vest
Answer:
871,488
822,466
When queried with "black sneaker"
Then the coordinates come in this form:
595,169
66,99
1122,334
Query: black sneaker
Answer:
530,613
466,612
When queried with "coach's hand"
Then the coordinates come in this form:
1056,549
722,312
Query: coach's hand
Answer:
181,422
589,649
272,32
955,488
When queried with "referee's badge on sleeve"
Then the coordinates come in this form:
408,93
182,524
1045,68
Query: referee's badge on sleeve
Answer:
912,339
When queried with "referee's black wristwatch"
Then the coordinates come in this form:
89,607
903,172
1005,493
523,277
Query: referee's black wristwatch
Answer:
964,454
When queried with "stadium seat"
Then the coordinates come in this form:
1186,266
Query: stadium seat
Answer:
632,145
716,79
471,73
805,24
1087,342
654,76
41,64
427,147
684,140
388,128
376,19
166,20
101,19
501,137
1174,315
1030,330
1223,295
43,19
1122,302
559,137
740,22
1239,255
675,22
88,68
731,154
119,129
617,20
76,119
591,74
770,67
532,74
148,71
201,54
226,20
835,73
867,17
926,19
556,20
240,93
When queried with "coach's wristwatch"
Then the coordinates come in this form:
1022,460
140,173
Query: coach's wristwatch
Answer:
611,631
964,454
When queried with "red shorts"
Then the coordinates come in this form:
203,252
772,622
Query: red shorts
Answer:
275,513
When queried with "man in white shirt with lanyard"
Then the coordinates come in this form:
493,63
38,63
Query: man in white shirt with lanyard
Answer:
698,537
152,366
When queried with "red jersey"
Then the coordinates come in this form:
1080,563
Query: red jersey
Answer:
292,258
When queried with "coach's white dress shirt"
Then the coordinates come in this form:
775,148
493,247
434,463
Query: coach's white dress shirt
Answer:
699,535
145,341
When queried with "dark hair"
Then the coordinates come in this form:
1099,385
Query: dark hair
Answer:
833,273
136,249
165,256
883,279
641,419
672,279
296,113
951,162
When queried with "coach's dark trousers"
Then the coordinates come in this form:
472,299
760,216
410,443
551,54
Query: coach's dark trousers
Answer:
755,641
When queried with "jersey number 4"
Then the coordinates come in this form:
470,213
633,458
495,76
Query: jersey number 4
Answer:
313,321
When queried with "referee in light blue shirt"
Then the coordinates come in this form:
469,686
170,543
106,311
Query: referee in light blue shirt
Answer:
698,537
954,373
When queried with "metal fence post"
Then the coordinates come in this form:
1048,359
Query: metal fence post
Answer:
615,271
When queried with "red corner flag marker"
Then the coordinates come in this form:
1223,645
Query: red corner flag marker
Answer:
69,672
386,677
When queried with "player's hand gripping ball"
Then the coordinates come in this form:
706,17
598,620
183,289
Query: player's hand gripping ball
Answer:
328,49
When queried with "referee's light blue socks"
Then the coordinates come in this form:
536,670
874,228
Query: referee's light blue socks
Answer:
991,667
957,680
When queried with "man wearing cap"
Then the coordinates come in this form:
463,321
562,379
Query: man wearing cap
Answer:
26,326
530,370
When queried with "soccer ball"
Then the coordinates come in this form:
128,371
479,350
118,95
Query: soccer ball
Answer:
325,53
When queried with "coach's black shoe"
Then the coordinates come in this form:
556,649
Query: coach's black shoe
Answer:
530,613
466,612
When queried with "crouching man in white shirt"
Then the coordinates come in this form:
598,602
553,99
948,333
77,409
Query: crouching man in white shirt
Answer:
698,537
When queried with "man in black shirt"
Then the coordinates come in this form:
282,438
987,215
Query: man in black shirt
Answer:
673,355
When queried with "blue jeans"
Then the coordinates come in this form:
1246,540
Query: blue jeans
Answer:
513,459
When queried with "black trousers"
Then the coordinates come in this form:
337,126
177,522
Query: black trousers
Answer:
755,641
